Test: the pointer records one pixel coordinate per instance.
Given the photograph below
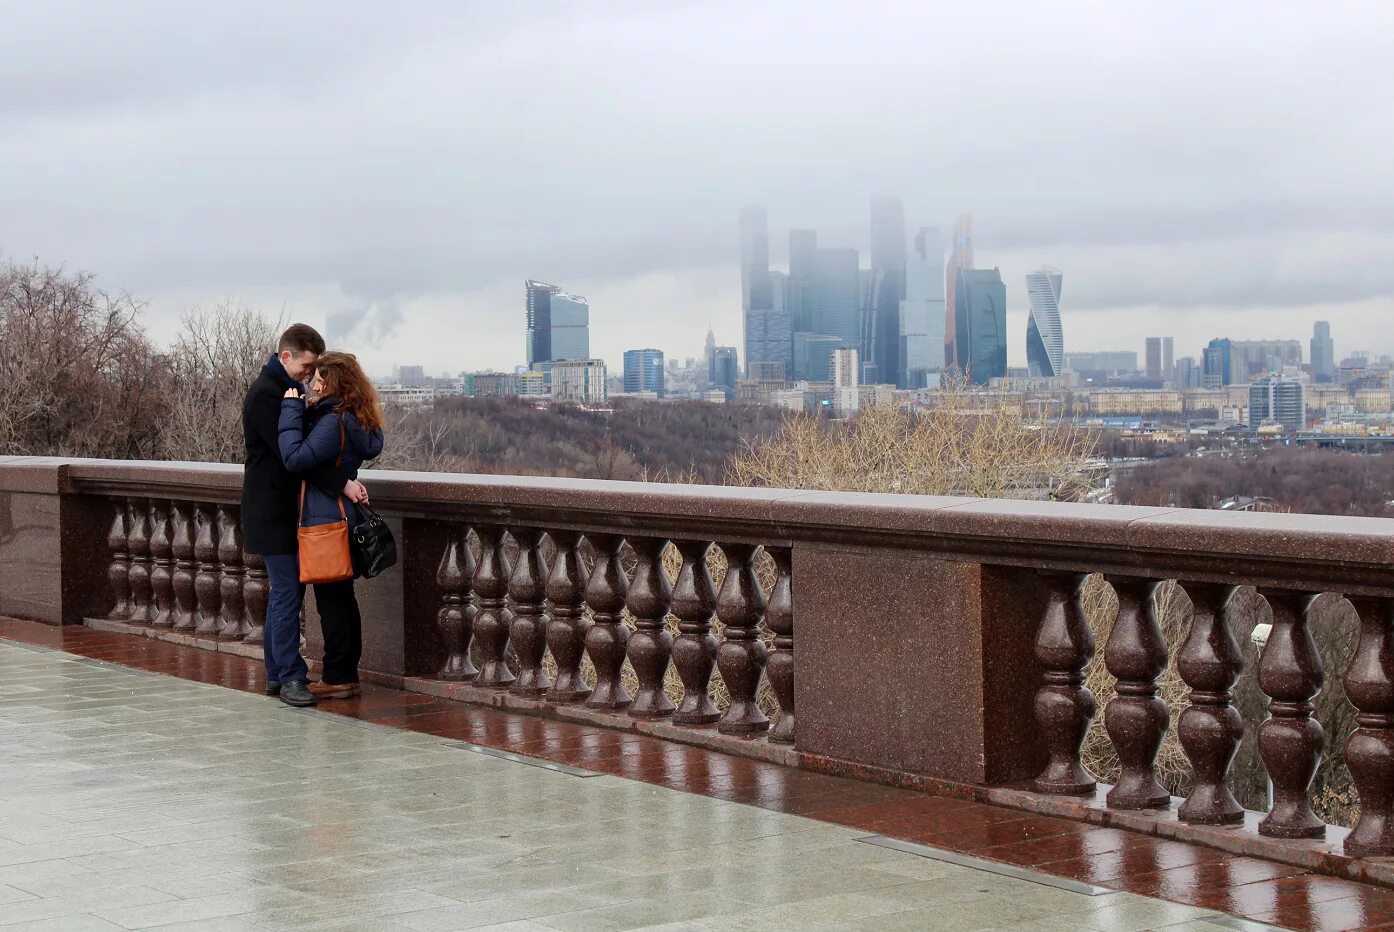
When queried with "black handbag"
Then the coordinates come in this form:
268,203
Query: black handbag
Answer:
371,544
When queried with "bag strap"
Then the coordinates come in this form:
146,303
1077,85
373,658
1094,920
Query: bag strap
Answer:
338,461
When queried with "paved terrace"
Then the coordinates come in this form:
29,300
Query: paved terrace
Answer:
132,800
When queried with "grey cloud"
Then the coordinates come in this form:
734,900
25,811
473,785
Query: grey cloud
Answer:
447,150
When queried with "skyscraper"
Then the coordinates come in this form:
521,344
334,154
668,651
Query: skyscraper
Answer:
835,305
764,325
980,306
1168,356
571,326
1278,399
1045,340
961,257
643,371
1323,352
813,353
803,264
724,370
539,321
922,312
1217,364
881,341
1154,358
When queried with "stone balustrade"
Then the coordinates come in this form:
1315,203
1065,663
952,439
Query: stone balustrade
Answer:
934,642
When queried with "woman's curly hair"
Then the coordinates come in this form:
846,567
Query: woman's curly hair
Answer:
345,380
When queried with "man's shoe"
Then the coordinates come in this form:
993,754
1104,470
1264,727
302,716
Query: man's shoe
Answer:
323,690
297,693
273,688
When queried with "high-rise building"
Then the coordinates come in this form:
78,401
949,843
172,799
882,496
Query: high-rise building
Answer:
1254,358
836,308
643,371
1218,363
1154,358
411,376
558,324
803,266
1045,340
980,309
1168,356
1280,400
1323,352
579,380
539,321
765,323
571,327
880,350
813,353
724,370
1186,374
846,398
960,257
922,312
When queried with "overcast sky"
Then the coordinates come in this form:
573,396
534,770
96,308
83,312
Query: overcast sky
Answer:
1195,169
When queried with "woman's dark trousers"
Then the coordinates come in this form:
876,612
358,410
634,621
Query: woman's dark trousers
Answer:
343,631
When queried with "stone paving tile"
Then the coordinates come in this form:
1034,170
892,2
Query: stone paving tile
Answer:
165,803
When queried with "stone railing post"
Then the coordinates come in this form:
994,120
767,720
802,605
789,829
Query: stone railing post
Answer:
1064,705
142,592
182,546
234,624
779,618
255,592
741,656
527,586
1136,718
491,623
161,565
456,616
1369,684
566,632
1290,672
694,652
1211,728
118,573
206,584
651,645
608,637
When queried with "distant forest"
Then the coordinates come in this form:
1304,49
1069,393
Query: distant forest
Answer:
1309,481
680,441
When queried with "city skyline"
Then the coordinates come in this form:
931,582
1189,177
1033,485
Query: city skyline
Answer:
388,174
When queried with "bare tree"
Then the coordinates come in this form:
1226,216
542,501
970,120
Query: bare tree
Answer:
213,361
79,377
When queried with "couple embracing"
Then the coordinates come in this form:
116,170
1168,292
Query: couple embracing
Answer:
301,471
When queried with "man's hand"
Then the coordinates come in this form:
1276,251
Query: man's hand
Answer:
356,492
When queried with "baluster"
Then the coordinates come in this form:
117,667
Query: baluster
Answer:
1211,728
741,656
490,624
608,637
1369,683
162,566
456,616
255,592
694,652
182,546
1290,741
650,647
1136,718
779,618
118,573
234,625
528,588
566,633
206,579
1064,705
138,519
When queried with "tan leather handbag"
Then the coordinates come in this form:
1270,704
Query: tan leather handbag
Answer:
324,548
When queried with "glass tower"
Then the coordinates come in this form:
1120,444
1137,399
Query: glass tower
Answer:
1045,340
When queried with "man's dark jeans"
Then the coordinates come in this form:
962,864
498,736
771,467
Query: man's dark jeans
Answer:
282,644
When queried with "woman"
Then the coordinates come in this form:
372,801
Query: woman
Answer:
340,420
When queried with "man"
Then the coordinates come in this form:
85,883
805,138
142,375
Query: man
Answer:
270,503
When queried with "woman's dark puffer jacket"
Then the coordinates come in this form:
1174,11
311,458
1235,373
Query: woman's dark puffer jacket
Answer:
309,437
